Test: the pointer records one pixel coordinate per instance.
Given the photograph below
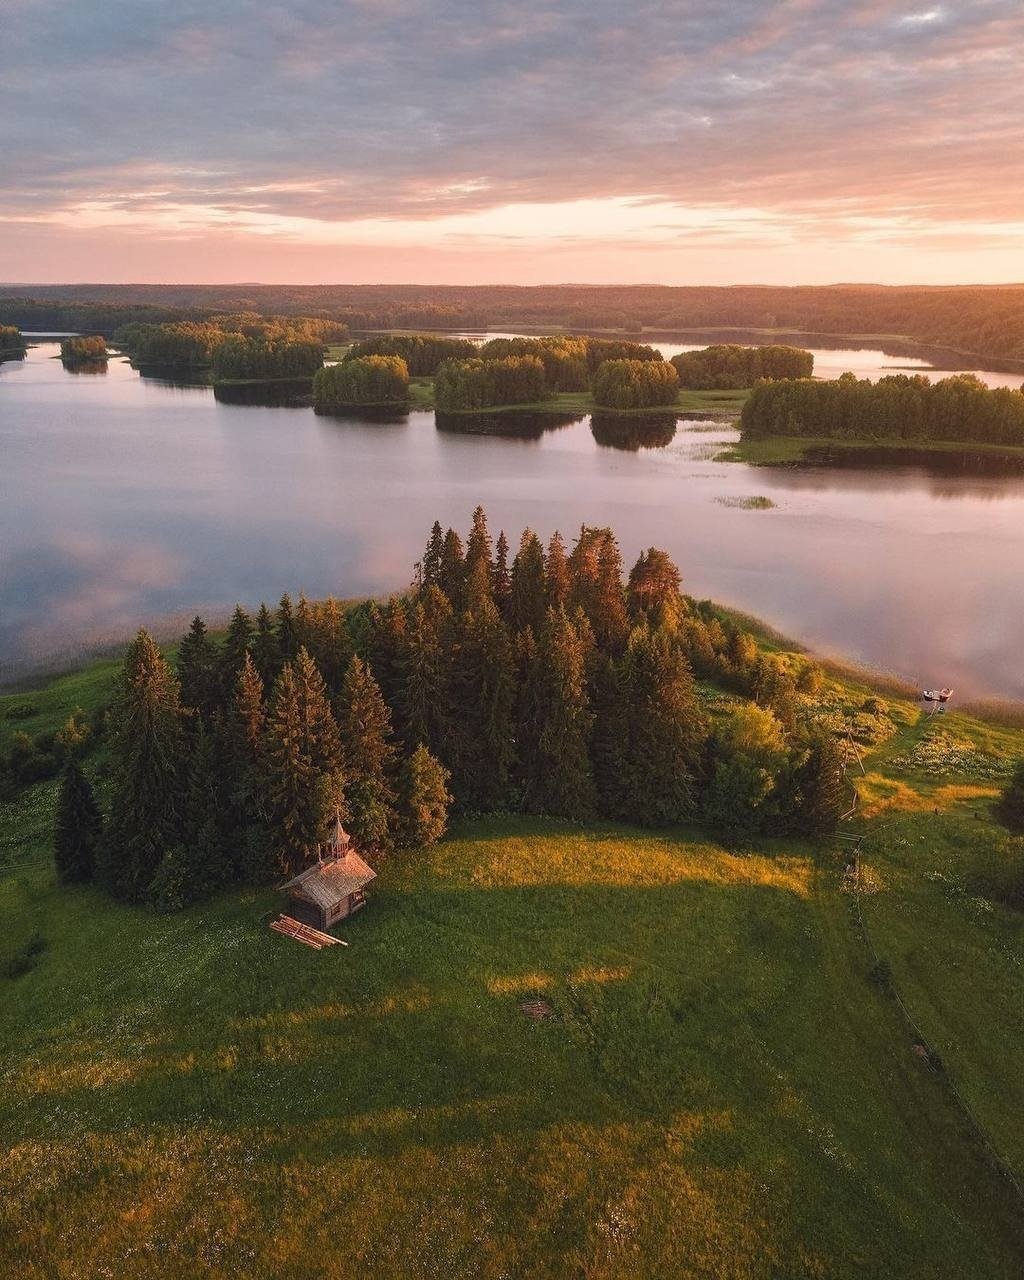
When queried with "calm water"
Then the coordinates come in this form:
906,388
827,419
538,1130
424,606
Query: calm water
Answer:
126,500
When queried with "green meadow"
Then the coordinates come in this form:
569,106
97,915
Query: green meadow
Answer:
718,1088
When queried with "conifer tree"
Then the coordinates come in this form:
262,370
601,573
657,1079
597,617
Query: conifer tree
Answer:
328,640
479,568
527,590
266,649
423,685
430,565
1010,806
287,637
304,625
78,827
610,738
423,799
501,582
243,729
556,570
820,798
595,574
653,591
483,692
666,731
364,723
557,772
452,574
385,647
301,761
198,864
236,646
148,747
198,670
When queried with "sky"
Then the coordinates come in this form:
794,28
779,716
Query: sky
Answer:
478,141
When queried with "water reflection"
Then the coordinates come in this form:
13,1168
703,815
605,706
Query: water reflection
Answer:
85,366
962,463
381,413
267,395
509,425
632,432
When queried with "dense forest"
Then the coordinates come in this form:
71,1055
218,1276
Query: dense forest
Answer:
422,352
375,380
729,367
899,407
11,341
465,385
635,384
259,346
546,682
985,320
83,350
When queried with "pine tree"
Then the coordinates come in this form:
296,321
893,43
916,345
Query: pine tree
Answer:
595,573
653,591
666,731
198,670
328,640
452,574
556,569
1010,806
301,762
423,799
483,693
557,772
148,747
527,590
479,567
501,582
287,637
236,646
364,723
820,798
266,649
78,827
430,565
304,625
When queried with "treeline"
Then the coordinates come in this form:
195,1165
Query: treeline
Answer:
422,352
265,347
729,367
83,350
635,384
898,407
12,343
462,385
265,356
544,682
982,319
569,362
374,380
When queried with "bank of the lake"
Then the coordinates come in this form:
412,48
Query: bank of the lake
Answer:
769,451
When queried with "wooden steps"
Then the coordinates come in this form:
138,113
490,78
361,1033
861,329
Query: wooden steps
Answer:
305,933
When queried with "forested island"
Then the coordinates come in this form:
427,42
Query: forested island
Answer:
901,407
731,367
12,344
986,321
83,350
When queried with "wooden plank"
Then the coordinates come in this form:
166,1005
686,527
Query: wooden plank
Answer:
292,928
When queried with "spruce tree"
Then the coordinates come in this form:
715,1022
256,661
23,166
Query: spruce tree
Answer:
242,732
236,646
483,692
364,723
197,670
1010,806
147,744
479,567
595,574
430,565
610,738
423,799
501,582
266,649
301,763
556,570
328,641
424,676
653,591
820,792
452,573
558,773
666,732
287,637
527,590
385,646
78,827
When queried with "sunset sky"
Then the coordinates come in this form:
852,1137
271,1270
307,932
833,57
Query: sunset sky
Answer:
473,141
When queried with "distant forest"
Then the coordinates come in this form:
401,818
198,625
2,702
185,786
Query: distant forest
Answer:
986,321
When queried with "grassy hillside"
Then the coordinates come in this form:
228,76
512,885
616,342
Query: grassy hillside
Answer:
720,1090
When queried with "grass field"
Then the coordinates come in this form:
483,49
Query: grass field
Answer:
775,450
719,1092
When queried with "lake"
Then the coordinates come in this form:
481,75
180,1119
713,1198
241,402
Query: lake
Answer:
127,501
